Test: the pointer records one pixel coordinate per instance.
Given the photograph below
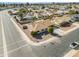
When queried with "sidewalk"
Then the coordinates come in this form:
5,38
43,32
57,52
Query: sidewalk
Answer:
72,53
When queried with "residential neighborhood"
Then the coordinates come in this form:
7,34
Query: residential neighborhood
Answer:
39,29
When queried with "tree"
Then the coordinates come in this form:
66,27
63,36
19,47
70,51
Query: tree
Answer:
34,18
22,10
69,7
71,12
28,3
3,4
50,29
77,12
43,7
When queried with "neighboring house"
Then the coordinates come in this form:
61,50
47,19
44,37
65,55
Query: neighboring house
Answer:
60,12
63,8
25,20
75,17
59,20
28,18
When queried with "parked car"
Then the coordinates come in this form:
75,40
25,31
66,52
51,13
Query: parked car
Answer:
24,27
74,45
65,24
75,18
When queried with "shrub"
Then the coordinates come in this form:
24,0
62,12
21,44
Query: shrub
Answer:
34,33
50,29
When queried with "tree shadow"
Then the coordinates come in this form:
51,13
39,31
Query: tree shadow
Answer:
57,35
38,37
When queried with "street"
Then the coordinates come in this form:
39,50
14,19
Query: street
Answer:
13,38
15,46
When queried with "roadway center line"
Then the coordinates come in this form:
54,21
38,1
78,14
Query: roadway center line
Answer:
4,40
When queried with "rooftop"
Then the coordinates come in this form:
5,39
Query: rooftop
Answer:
41,24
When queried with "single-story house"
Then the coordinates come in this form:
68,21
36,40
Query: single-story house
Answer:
28,18
40,25
75,17
60,12
58,20
63,8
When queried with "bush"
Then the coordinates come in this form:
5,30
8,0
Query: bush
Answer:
50,29
34,33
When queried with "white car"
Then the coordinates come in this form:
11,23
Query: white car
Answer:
74,45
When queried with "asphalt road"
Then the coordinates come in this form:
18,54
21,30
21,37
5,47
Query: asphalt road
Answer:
14,39
16,46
